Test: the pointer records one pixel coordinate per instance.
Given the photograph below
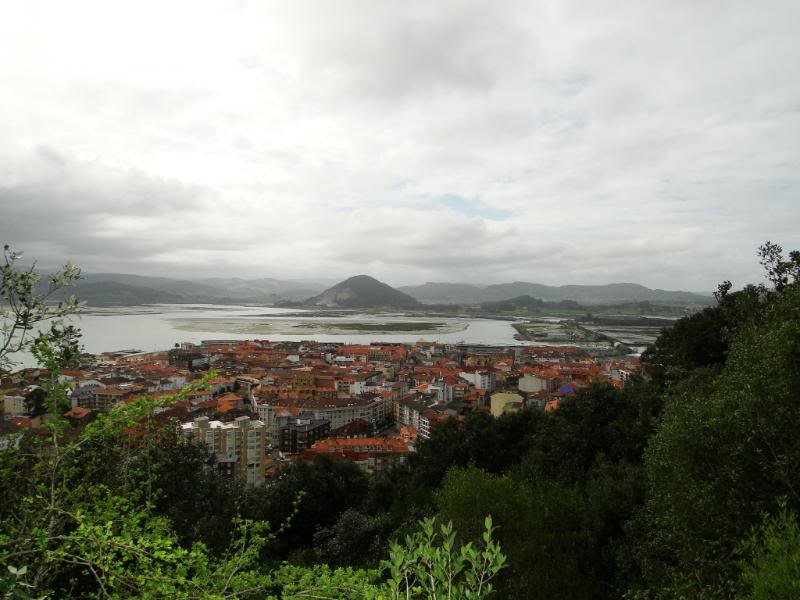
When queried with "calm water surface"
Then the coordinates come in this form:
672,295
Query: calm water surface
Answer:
156,327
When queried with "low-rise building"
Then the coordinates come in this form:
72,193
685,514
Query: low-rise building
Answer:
505,402
533,381
480,378
188,357
106,397
371,454
299,434
14,405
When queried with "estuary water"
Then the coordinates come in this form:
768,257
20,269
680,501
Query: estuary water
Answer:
160,327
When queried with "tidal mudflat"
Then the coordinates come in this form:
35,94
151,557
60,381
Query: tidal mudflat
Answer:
294,326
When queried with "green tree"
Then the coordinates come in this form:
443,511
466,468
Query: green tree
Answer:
702,340
81,521
427,563
723,454
599,421
25,304
431,565
355,539
201,503
771,570
312,495
780,271
539,525
491,443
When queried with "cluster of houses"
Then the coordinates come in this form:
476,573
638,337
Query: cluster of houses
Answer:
271,403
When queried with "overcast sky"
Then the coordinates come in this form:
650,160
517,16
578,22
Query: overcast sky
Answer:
556,142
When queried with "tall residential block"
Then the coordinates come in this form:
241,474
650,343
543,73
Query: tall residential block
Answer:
239,446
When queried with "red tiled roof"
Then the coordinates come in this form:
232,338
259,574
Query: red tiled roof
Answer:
78,412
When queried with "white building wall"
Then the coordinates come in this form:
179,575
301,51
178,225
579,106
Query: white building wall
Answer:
13,406
532,384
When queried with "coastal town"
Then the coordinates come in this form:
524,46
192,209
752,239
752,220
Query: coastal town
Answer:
400,300
258,405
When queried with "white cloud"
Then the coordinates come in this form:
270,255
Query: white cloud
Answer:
548,141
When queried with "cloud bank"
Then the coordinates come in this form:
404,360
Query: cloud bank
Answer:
557,142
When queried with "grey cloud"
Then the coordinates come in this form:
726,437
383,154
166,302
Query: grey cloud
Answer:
85,209
46,178
653,142
393,52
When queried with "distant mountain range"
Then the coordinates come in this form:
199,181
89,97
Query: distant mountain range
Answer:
362,291
118,289
526,302
462,293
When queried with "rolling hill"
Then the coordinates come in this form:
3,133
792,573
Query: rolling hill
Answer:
458,293
109,289
121,289
362,291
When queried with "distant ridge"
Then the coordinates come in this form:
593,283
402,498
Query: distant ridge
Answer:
120,289
112,293
460,293
527,302
362,291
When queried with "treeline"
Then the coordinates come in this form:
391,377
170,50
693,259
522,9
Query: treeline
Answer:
684,484
529,304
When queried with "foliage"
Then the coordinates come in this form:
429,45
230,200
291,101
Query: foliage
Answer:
582,462
597,421
427,564
431,565
667,488
53,349
722,456
199,501
98,543
772,569
355,539
781,272
321,582
702,340
23,307
538,524
328,487
493,444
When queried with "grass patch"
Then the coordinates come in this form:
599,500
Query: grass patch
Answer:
404,326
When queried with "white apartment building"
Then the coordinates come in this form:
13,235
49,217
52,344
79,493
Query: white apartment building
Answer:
239,446
481,378
339,411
